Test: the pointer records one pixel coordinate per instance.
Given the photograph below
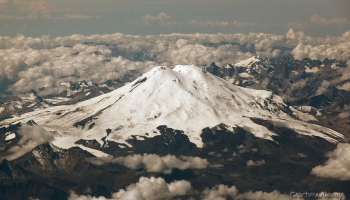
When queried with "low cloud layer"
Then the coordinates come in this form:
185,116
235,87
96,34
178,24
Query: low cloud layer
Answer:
31,138
33,63
222,192
162,19
147,188
222,24
326,22
156,188
155,163
219,192
338,164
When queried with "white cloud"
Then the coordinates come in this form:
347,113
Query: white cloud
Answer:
338,164
208,23
297,25
31,138
72,16
316,19
222,24
33,63
162,19
242,24
319,48
344,115
21,65
344,75
299,84
156,189
254,150
301,155
155,163
320,52
258,195
251,163
345,86
14,17
38,9
323,88
147,188
222,192
219,192
33,9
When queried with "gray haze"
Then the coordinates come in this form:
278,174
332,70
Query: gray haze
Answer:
35,18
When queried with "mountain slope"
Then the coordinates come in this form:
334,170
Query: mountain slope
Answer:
185,98
323,85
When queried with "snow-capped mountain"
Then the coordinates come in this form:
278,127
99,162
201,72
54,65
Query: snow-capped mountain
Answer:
184,98
179,124
248,62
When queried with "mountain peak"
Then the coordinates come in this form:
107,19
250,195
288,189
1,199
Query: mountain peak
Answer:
185,98
248,62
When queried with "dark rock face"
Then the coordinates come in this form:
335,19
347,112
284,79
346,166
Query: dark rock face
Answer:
213,68
50,173
5,145
319,101
45,173
170,141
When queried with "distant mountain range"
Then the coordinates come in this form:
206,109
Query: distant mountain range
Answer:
323,85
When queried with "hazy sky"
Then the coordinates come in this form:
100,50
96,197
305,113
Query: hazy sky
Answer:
142,17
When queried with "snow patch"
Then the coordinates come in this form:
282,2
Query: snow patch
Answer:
57,100
38,156
245,75
334,66
302,115
295,72
94,152
228,66
10,136
31,105
311,70
19,106
31,97
65,84
248,62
